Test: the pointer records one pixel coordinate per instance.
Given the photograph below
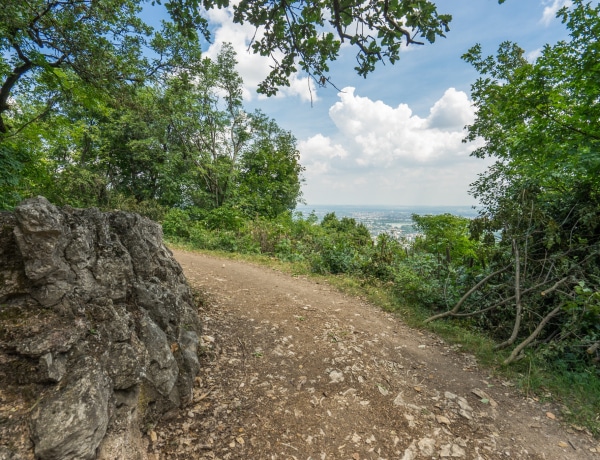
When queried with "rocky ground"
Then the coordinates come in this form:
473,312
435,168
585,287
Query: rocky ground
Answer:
293,369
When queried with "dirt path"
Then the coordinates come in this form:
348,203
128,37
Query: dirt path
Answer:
295,370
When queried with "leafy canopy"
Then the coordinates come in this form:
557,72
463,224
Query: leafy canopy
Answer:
539,119
52,46
308,34
185,142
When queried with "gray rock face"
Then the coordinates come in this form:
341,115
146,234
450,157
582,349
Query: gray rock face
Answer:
98,332
76,416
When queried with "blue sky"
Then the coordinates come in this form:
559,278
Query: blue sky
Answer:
395,137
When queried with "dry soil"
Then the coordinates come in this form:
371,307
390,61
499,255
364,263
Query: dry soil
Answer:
293,369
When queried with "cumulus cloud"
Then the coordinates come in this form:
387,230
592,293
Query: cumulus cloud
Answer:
384,154
551,9
320,146
252,67
378,135
452,112
320,152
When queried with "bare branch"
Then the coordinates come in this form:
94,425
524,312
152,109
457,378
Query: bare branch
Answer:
518,303
554,287
515,353
511,298
466,296
591,350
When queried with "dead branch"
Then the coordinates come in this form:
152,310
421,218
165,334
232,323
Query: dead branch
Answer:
466,296
511,298
555,286
516,352
518,303
591,350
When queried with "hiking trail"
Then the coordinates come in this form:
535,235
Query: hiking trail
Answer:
293,369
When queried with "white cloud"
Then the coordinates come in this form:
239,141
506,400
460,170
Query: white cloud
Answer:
318,151
382,154
551,9
252,67
533,55
378,135
452,112
319,146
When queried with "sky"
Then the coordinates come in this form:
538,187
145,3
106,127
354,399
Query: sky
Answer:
394,138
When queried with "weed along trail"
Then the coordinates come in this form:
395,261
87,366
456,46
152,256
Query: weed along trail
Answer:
292,369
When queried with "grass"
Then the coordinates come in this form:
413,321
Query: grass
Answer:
575,389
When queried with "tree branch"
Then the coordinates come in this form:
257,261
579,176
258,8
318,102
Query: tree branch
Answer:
518,303
6,88
511,298
41,115
466,296
397,27
515,353
342,34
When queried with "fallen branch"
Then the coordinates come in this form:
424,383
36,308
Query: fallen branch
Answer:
518,303
515,353
509,299
466,296
591,350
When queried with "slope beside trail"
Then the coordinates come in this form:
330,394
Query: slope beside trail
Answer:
293,369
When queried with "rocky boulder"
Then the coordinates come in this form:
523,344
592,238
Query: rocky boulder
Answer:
98,333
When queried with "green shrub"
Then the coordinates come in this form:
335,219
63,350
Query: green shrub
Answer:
416,280
336,256
202,238
176,223
287,251
267,234
224,218
383,257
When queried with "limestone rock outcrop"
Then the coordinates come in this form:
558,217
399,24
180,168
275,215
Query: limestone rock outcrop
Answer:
98,332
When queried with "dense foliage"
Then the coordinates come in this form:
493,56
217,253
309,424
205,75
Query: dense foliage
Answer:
50,47
308,35
542,196
183,142
419,272
94,99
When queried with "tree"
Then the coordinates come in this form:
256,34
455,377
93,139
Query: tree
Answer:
207,125
54,45
447,236
308,34
270,174
542,196
181,143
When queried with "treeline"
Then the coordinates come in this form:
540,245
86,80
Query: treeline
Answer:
184,141
430,271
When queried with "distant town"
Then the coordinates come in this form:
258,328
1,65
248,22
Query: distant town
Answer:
393,220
